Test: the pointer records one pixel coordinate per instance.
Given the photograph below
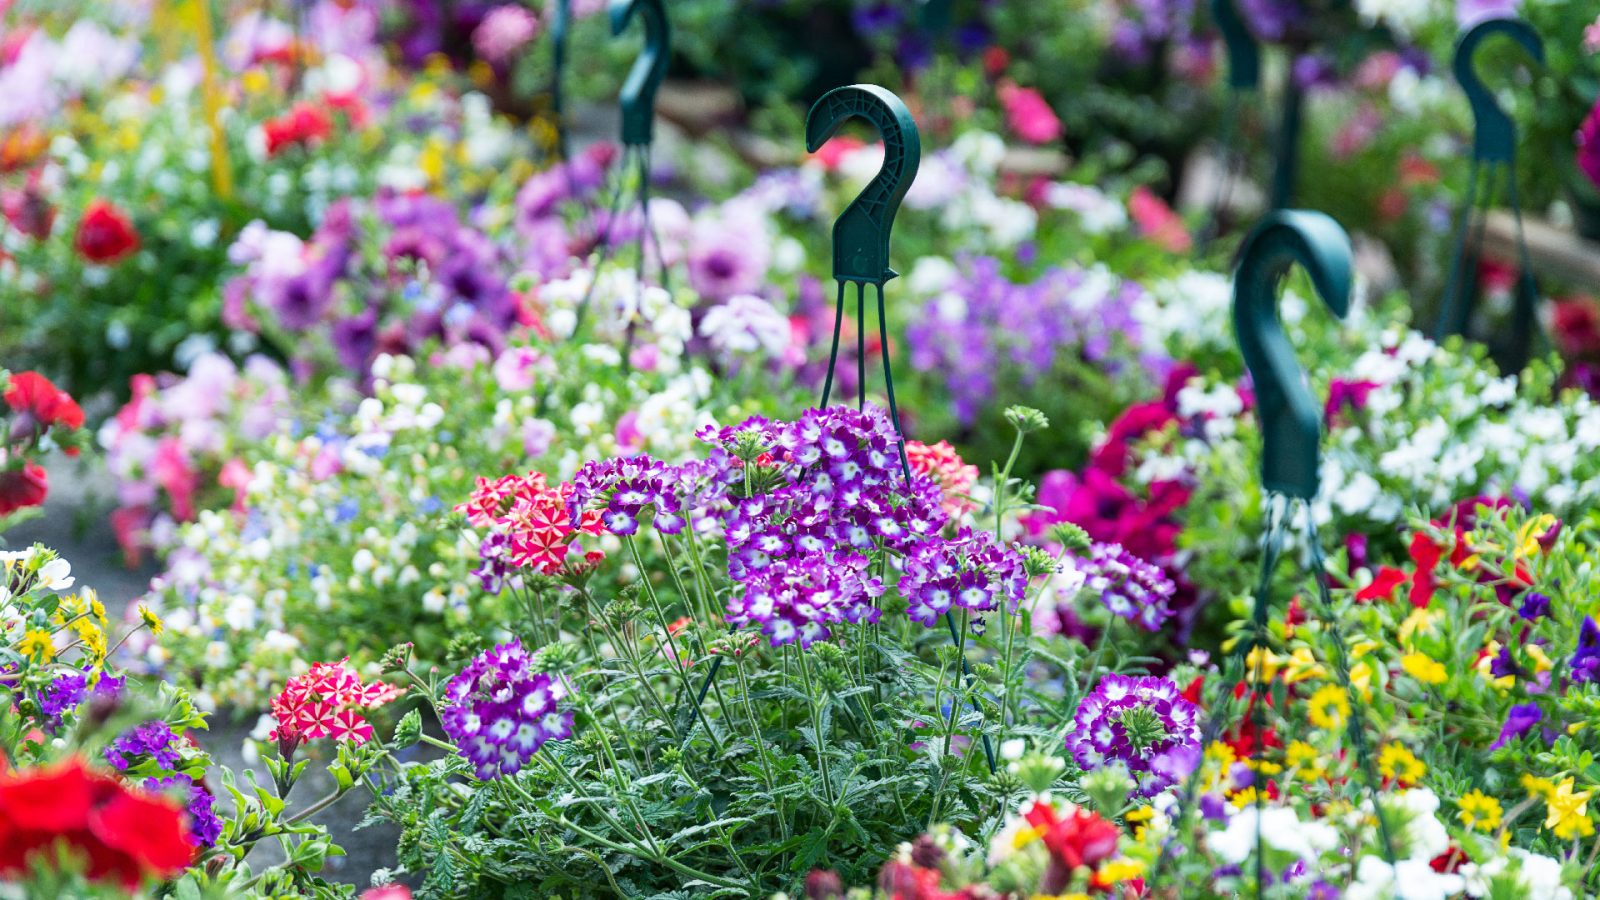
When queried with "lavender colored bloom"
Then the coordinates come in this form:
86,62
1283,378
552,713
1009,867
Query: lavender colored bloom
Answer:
504,31
985,330
500,712
204,824
62,695
1586,658
494,566
1214,807
1519,721
153,739
970,571
1132,721
1129,587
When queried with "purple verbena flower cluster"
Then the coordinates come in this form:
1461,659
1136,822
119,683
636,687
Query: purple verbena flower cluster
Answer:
499,711
70,689
971,571
624,487
1130,587
1134,721
204,824
799,552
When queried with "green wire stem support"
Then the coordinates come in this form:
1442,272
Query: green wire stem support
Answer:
1291,428
638,102
1244,80
861,250
1494,149
560,25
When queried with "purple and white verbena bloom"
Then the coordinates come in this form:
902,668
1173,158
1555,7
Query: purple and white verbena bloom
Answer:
1133,721
623,488
971,571
499,711
1130,587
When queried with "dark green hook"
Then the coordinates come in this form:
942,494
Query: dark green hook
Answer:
1495,135
1244,56
861,233
1291,421
638,96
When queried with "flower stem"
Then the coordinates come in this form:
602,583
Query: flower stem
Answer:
816,727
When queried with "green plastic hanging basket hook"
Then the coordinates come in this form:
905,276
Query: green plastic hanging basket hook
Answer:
861,233
638,96
1291,420
1494,134
1244,56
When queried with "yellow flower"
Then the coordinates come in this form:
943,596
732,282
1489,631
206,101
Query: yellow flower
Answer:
1531,531
1329,707
1424,668
1537,787
1139,819
1244,797
1479,810
1302,665
1118,871
95,606
1262,664
93,638
1419,620
1568,812
1541,662
151,620
1305,759
37,645
1398,763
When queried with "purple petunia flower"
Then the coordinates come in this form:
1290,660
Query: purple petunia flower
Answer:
1129,587
500,712
1519,721
1586,658
1132,721
1534,606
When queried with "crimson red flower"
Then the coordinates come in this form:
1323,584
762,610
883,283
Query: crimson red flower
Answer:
327,702
1080,839
34,395
1383,585
120,834
303,125
105,234
24,487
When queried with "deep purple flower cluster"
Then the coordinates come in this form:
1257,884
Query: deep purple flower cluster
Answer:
499,711
797,598
153,739
1130,587
971,571
800,551
1586,658
1001,331
624,487
69,689
1134,721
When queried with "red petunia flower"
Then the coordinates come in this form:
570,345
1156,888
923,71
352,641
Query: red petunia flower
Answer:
1383,585
34,395
122,835
24,487
1080,839
302,126
327,702
105,235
